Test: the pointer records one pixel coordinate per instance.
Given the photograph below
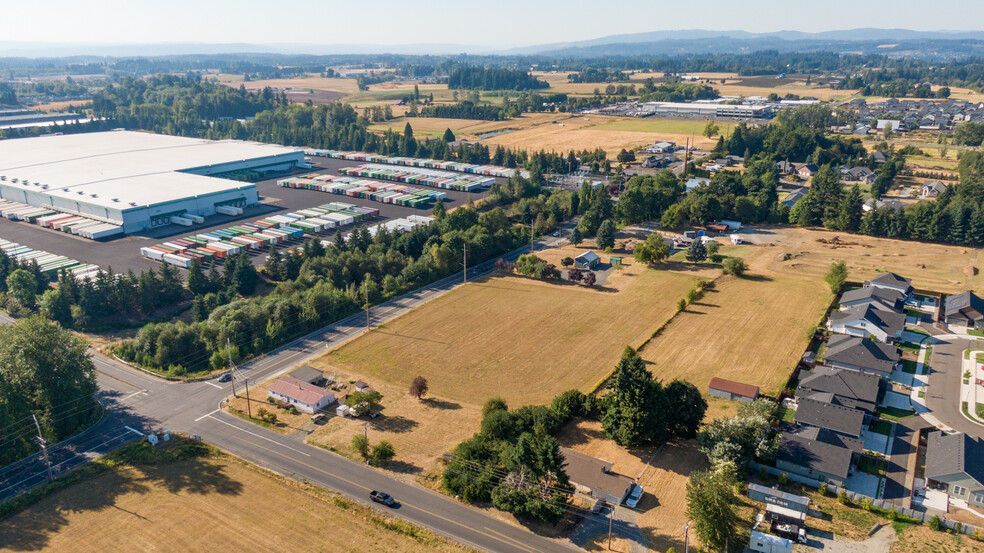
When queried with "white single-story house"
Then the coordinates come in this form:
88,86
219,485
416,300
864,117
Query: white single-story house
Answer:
306,397
865,321
932,188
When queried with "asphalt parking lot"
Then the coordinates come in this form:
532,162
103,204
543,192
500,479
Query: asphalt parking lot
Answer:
123,254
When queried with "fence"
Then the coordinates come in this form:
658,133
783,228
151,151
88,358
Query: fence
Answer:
858,498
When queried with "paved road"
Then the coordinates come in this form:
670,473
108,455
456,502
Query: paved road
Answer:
137,403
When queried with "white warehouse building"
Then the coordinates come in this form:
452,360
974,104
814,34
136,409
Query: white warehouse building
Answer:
138,180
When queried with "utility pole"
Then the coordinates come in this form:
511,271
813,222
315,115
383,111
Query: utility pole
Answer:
366,287
231,367
464,261
686,537
44,449
610,515
249,408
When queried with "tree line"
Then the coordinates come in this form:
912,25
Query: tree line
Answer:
44,372
493,78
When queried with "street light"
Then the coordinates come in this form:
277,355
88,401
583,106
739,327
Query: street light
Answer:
686,537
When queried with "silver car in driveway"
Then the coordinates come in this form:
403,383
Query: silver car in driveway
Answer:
634,497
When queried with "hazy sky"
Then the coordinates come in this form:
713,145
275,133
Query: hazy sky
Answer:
501,23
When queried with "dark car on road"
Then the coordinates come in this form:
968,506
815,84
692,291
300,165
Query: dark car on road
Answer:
226,377
384,498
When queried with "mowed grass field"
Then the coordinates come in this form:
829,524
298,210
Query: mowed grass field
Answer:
519,339
216,505
665,126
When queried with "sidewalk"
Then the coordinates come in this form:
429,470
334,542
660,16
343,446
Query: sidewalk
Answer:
969,387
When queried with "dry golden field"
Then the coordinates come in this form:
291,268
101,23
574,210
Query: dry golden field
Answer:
347,86
750,330
219,505
418,429
522,340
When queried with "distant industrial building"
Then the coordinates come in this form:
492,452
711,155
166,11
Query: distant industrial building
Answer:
697,109
136,180
22,118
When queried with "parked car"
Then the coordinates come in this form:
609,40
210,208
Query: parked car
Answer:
634,496
226,377
598,506
384,498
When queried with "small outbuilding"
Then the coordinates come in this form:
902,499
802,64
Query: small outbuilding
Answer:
309,374
587,260
767,543
728,389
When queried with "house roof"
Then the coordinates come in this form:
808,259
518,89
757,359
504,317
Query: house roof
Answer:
879,157
954,453
958,302
588,256
730,386
829,437
888,296
936,185
594,473
299,390
890,279
847,384
307,373
890,322
831,416
809,167
776,492
862,353
814,454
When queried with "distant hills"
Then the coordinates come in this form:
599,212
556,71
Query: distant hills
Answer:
941,44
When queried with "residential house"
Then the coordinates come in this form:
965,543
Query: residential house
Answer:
729,389
309,374
306,397
892,281
893,124
594,477
694,183
955,464
865,320
872,204
587,260
964,309
807,170
861,355
735,160
785,167
861,175
847,388
793,197
932,188
659,162
820,411
818,453
879,157
888,299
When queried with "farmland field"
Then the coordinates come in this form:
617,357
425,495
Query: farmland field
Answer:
665,126
523,340
747,330
563,133
218,505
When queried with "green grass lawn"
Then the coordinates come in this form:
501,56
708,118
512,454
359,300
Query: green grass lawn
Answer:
669,126
894,413
882,427
871,465
910,347
909,366
975,332
786,414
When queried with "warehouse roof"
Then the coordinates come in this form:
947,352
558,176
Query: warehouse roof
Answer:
124,169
